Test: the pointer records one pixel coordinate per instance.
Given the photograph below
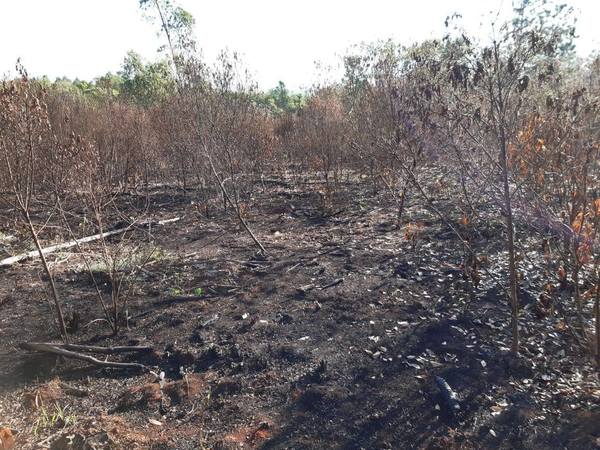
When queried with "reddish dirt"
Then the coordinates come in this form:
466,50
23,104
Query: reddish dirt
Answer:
333,340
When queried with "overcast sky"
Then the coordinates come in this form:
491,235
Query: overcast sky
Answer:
278,39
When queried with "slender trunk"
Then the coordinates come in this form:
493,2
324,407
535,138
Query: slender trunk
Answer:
87,265
115,299
168,36
597,314
372,175
510,241
401,204
227,199
578,299
59,313
147,184
498,98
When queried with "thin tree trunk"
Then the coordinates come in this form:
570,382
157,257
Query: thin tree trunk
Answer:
510,241
59,313
597,314
578,299
498,101
170,42
401,204
227,198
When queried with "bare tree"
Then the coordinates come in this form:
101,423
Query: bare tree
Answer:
25,134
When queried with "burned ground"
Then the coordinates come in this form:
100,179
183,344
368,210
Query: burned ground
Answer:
333,340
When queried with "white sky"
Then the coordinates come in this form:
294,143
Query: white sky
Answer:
278,39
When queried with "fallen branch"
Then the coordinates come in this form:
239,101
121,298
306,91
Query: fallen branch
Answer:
304,289
105,350
59,349
15,259
332,284
95,348
294,266
54,248
450,397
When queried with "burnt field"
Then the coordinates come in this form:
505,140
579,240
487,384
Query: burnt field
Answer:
399,249
333,338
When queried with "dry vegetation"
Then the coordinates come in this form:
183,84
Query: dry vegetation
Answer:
409,258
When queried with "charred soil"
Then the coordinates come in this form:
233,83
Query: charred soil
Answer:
334,339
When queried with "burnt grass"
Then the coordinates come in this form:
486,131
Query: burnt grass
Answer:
333,340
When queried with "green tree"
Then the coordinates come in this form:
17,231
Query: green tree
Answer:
146,84
84,87
177,25
280,100
65,85
109,85
552,21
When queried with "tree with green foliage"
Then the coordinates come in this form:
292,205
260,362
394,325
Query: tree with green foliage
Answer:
64,85
109,85
177,25
552,20
146,83
280,100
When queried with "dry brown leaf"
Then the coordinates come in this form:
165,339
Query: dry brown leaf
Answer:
47,394
560,326
7,440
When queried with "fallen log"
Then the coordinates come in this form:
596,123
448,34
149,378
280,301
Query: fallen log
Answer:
15,259
59,349
54,248
105,350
